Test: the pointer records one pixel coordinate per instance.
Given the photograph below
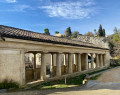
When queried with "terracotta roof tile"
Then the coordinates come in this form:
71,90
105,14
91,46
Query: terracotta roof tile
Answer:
11,32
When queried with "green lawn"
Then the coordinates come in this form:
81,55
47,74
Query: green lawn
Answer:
70,82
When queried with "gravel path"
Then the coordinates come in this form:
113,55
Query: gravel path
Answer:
110,76
107,84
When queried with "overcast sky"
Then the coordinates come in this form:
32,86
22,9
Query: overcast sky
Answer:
57,15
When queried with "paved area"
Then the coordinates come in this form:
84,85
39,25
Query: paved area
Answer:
110,76
100,87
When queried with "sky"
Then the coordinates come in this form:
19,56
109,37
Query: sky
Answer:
57,15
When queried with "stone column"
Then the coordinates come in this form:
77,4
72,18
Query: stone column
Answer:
35,72
22,67
97,60
65,59
58,64
79,62
101,58
75,59
104,58
92,61
86,61
43,67
69,63
51,64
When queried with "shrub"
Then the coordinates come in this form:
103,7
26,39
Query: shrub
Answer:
8,84
115,62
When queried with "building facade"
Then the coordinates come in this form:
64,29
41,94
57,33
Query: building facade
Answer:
65,57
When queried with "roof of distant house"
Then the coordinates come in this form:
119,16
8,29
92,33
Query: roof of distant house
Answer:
11,32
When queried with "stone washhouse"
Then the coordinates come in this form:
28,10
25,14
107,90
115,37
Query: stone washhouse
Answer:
27,56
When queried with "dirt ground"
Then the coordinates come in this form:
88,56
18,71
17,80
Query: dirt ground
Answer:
110,76
109,85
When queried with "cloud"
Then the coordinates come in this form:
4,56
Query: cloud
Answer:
11,1
70,10
20,8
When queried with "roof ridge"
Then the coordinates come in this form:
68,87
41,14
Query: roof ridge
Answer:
17,33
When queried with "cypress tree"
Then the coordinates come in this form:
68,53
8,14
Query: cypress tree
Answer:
103,32
100,33
68,32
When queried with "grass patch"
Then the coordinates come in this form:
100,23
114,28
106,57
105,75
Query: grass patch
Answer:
53,86
70,82
95,77
94,72
9,85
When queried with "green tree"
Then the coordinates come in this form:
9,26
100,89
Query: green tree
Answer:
103,32
68,32
89,34
56,32
100,33
95,32
111,46
75,34
116,38
46,31
116,30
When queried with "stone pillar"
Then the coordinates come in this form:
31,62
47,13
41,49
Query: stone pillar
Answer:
92,61
51,64
69,63
43,67
35,72
79,62
65,59
101,58
22,68
58,64
86,61
97,60
75,59
104,58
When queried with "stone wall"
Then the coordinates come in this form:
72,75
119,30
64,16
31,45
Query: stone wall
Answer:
100,41
11,66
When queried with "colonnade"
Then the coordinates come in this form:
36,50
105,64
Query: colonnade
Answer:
80,60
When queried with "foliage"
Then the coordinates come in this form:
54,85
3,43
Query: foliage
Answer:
89,34
111,45
76,81
68,32
116,30
8,84
56,32
75,34
114,63
101,32
95,77
94,72
46,31
116,37
95,32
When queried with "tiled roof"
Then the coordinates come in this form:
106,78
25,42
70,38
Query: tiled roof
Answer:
10,32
